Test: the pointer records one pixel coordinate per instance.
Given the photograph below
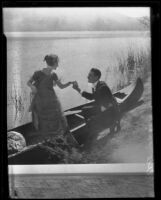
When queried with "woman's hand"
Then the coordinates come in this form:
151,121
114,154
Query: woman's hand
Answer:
33,89
62,85
30,84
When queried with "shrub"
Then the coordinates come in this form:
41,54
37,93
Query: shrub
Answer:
62,152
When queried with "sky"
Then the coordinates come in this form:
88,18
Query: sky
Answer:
133,12
18,17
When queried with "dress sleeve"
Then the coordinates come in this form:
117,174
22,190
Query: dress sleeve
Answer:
54,77
36,76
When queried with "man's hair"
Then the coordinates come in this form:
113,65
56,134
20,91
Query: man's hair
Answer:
96,72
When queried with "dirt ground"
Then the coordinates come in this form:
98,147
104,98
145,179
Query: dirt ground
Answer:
134,143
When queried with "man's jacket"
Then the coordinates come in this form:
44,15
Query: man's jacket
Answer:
102,96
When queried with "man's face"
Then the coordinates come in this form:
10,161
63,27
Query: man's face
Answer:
91,77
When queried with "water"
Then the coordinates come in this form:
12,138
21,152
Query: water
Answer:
77,56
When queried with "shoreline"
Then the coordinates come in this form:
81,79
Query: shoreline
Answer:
77,34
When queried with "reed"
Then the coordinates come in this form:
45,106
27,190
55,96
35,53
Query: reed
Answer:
134,64
16,98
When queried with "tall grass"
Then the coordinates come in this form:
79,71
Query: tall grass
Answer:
16,98
135,64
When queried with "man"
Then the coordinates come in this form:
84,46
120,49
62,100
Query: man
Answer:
105,104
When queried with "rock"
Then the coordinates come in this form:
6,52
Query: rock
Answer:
15,142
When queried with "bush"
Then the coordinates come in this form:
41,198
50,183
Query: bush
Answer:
60,151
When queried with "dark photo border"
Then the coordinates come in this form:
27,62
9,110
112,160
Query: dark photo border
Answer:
156,80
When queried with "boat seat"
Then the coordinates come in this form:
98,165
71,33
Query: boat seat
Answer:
118,100
120,95
74,118
69,112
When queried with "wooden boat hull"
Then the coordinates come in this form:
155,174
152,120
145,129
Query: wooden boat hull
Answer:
79,128
132,94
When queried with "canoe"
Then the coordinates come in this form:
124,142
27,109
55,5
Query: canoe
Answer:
79,131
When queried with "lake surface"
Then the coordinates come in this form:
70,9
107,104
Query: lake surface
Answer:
78,53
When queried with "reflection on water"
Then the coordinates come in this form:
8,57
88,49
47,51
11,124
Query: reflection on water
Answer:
77,57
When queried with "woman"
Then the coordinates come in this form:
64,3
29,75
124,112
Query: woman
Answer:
46,111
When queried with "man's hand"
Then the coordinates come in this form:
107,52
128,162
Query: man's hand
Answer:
103,108
75,84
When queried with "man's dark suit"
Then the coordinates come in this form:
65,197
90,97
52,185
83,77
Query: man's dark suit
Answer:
103,97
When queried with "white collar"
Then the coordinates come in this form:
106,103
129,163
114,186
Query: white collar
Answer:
95,84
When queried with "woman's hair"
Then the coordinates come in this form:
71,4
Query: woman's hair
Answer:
96,72
51,59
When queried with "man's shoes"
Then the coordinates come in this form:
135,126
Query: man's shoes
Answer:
118,128
115,128
112,129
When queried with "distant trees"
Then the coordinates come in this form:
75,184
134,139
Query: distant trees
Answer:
145,20
62,23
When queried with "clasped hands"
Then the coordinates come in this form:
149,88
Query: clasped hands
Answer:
76,86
